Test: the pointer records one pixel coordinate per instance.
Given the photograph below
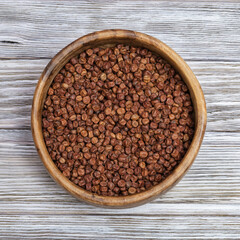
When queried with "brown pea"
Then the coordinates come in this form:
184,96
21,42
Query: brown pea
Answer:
86,100
134,124
120,111
132,190
94,140
117,121
108,111
143,154
134,68
119,136
142,165
64,122
79,98
81,172
122,122
62,160
121,183
95,119
84,133
146,78
135,117
174,110
145,121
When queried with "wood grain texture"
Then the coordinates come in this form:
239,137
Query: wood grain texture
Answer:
203,30
205,204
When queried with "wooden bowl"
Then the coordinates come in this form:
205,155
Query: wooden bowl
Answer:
110,38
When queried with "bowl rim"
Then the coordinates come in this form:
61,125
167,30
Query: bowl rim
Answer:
188,77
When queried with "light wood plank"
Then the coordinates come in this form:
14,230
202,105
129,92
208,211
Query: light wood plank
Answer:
219,80
162,226
196,30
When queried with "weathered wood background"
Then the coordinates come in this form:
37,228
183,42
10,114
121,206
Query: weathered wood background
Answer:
205,204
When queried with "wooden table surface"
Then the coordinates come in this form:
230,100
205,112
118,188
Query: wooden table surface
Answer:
205,204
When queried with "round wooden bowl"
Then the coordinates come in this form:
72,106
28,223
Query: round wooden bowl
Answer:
108,38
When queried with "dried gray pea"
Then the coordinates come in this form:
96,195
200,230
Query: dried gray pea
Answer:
117,121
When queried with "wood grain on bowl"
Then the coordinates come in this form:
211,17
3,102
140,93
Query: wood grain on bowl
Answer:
111,38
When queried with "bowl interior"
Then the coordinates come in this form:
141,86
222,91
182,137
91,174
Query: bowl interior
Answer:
105,39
